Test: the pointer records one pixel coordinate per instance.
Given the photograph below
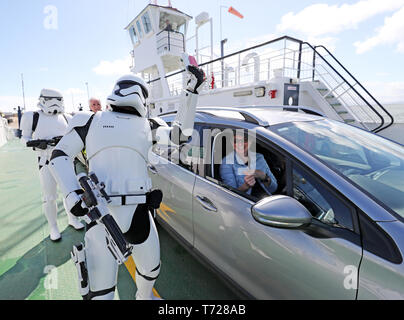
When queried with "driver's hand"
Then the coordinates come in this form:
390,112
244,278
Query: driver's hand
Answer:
260,174
249,180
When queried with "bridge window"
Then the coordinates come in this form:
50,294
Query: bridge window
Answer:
139,29
133,35
181,28
146,23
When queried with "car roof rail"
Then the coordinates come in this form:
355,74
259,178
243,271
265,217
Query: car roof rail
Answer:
251,117
307,110
248,116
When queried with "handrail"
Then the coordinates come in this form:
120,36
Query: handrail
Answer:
364,100
374,99
169,43
232,54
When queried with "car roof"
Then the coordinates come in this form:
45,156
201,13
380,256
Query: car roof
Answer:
259,115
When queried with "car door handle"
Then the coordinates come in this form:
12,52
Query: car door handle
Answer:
206,203
152,169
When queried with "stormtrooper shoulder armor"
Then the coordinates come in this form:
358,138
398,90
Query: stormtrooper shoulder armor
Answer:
81,123
27,121
80,119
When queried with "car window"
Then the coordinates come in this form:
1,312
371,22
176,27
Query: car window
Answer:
320,200
264,159
188,154
192,153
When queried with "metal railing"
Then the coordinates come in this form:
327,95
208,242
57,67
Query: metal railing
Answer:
345,88
166,43
292,58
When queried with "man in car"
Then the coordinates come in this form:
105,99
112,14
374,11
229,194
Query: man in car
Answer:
242,169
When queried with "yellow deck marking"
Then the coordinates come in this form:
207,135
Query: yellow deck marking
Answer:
164,208
163,215
131,266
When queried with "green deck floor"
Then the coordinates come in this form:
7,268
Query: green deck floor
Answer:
33,267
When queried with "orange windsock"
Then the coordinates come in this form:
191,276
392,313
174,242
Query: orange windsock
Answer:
235,12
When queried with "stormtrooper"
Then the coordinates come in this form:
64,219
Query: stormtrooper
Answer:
45,124
117,143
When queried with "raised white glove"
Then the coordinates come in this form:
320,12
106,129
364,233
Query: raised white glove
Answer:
195,79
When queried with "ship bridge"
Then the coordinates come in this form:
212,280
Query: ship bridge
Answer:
158,36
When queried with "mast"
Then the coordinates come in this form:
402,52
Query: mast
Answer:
22,84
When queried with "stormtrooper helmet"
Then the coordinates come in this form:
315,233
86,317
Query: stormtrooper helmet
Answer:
51,101
129,96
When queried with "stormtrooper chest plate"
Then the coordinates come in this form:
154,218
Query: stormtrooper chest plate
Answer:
117,147
50,126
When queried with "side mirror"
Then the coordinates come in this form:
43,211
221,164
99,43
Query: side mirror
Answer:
282,212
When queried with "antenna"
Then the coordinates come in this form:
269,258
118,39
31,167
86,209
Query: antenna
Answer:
155,3
72,101
23,93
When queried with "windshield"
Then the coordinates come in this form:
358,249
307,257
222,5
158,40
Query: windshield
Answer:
372,162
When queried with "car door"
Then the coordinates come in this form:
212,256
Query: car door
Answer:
316,262
173,174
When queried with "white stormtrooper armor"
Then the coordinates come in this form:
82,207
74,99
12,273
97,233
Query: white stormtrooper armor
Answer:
45,124
118,143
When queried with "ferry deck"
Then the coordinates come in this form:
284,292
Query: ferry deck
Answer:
32,267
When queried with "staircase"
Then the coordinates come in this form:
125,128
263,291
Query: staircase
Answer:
340,91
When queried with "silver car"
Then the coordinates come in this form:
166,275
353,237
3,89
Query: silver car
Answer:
332,230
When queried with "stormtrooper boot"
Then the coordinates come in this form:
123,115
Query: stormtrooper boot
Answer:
51,215
54,233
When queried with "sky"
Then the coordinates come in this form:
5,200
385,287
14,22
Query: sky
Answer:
73,45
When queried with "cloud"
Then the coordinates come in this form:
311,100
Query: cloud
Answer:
8,103
113,68
383,74
322,19
387,92
329,42
391,33
74,91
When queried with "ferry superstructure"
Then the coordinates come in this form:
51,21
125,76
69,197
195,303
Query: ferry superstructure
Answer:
283,72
